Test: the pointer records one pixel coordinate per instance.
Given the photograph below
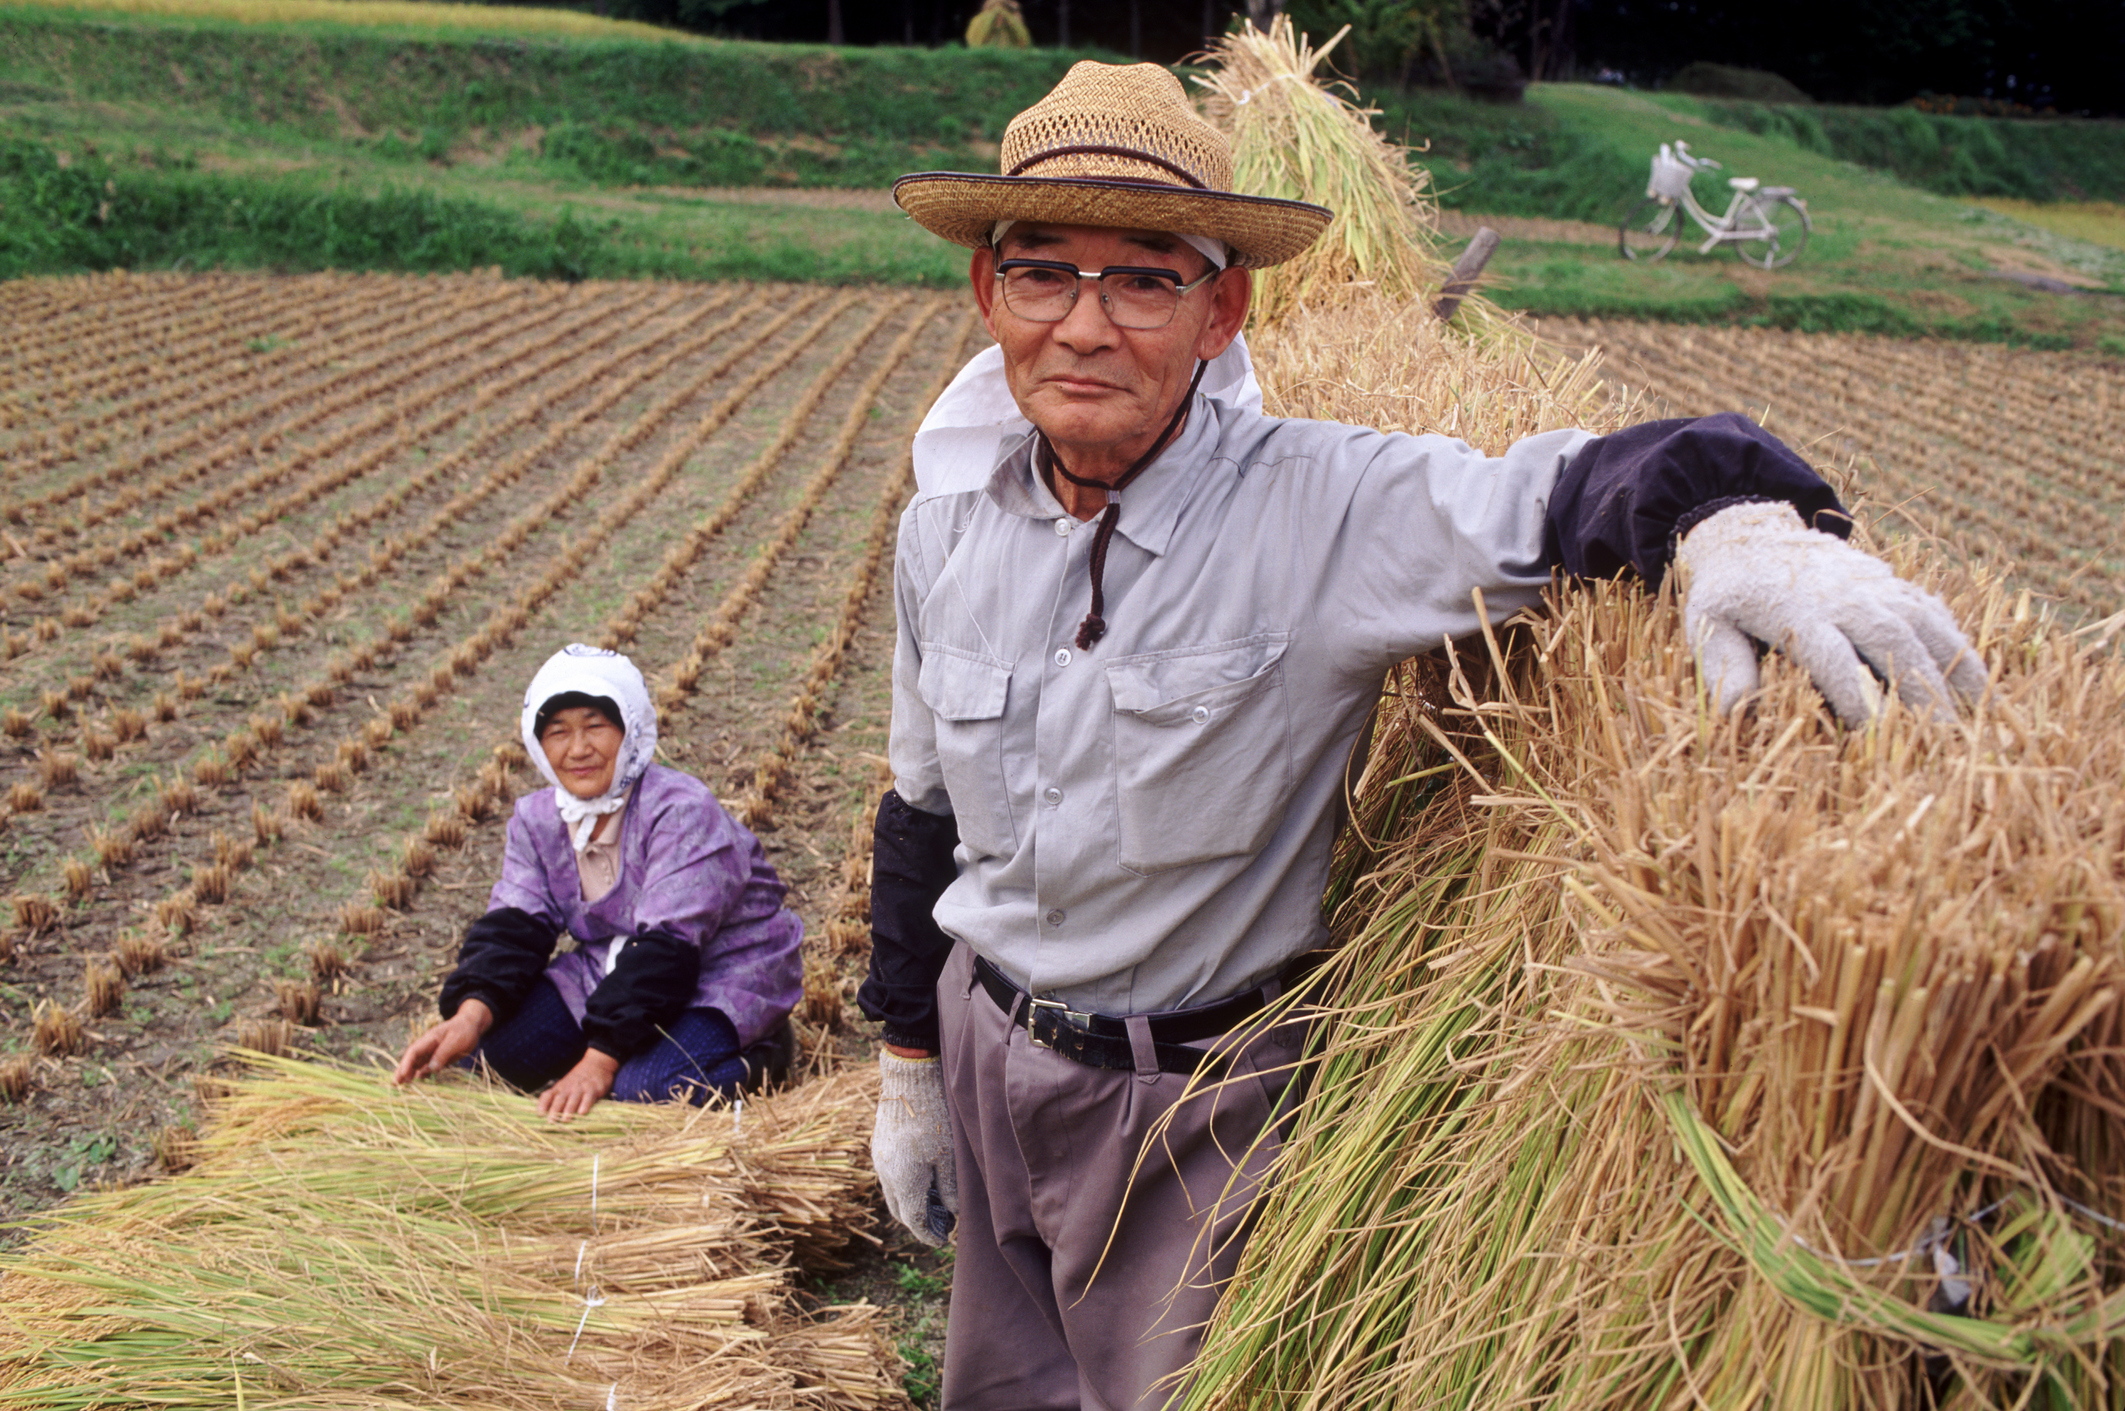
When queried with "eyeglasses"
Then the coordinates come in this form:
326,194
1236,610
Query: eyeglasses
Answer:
1134,296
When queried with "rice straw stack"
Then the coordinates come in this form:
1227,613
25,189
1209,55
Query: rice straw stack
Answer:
1295,139
1678,1061
344,1244
1372,361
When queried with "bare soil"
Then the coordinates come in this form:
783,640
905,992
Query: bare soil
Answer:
304,654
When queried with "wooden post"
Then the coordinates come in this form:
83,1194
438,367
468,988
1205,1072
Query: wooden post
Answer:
1466,271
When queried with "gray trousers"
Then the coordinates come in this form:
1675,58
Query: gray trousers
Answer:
1087,1261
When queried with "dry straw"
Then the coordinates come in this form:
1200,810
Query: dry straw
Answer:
1294,138
1683,1062
1687,1062
339,1243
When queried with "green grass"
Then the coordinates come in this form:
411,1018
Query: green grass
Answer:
2030,160
613,110
2099,222
149,142
300,146
1885,257
138,212
411,18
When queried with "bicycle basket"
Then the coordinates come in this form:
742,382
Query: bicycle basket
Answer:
1670,178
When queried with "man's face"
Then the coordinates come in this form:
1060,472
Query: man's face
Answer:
1101,393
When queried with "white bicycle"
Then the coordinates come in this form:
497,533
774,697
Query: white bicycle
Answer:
1767,225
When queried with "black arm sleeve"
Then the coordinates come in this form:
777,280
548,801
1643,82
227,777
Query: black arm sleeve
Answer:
503,955
911,865
650,985
1625,499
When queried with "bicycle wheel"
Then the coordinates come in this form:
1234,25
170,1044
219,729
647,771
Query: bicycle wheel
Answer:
1778,231
1649,231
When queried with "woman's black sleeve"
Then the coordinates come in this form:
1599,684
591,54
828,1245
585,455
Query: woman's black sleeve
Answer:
651,984
1626,498
911,865
503,955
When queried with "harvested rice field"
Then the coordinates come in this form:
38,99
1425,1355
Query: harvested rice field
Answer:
2001,453
280,554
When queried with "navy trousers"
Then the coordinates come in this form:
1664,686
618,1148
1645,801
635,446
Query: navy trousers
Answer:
695,1058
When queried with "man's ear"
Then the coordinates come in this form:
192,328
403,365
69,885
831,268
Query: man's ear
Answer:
1230,297
981,272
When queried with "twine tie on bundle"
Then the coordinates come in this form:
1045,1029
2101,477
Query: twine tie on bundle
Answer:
1094,626
592,1299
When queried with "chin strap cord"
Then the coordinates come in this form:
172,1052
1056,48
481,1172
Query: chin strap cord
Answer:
1094,626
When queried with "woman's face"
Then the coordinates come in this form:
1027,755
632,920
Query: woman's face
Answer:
584,748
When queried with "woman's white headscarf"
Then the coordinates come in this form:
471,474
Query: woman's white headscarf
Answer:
593,671
959,442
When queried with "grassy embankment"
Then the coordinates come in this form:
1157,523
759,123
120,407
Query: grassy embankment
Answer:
1885,257
281,133
445,139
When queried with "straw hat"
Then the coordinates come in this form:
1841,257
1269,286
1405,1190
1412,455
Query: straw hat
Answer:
1114,145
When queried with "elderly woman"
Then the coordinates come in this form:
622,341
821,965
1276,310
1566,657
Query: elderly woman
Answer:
685,965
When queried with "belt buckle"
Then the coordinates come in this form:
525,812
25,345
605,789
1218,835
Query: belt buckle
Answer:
1062,1016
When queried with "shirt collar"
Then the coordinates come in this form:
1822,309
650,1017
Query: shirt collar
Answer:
1151,506
606,836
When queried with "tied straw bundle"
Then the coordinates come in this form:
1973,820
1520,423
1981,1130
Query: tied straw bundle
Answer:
341,1244
1674,1061
1293,138
1685,1062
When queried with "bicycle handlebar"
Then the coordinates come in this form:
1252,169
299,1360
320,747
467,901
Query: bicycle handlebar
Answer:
1682,152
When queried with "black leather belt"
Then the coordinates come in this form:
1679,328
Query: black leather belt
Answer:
1102,1041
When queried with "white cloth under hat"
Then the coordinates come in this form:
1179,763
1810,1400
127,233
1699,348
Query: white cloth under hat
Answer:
593,671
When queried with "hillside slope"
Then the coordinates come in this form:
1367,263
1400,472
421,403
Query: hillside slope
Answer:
145,140
1884,257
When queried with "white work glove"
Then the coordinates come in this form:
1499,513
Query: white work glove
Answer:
1756,571
911,1147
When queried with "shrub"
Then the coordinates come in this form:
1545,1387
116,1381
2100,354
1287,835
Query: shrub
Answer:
1726,81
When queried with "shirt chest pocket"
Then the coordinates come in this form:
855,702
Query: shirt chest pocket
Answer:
1202,758
966,695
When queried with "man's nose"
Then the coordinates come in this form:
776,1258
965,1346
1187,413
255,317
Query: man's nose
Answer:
1086,328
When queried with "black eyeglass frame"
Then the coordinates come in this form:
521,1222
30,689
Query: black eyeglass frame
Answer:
1180,290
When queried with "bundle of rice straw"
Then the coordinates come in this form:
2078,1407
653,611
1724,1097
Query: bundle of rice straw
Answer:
1679,1061
1373,361
1295,139
344,1244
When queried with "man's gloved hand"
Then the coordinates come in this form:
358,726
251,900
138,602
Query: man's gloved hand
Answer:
1755,571
911,1147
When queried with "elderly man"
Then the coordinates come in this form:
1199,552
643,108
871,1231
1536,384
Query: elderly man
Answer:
1132,663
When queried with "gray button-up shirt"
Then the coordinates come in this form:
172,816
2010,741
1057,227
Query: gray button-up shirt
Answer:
1146,825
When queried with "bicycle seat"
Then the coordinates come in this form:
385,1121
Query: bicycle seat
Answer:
1743,183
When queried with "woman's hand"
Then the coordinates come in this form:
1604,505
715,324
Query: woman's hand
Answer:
445,1043
581,1088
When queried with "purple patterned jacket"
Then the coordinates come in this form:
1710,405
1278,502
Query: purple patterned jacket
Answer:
688,870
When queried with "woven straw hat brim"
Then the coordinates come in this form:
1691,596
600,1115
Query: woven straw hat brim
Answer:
964,207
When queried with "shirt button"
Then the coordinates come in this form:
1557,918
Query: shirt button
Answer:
1062,656
1200,715
1053,796
1055,917
1062,526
